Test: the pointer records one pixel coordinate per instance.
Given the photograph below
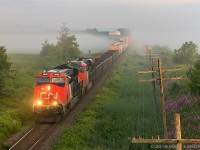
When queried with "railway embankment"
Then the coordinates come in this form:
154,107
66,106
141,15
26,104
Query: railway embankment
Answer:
123,107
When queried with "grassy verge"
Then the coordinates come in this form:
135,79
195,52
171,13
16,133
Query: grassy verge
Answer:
122,108
180,100
16,101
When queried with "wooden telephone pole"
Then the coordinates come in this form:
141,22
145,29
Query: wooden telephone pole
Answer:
160,72
178,141
162,98
149,53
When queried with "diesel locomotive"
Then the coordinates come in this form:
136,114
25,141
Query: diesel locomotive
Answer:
58,89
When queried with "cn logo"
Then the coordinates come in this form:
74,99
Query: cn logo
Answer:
48,95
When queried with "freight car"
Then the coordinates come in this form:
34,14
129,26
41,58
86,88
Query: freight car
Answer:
58,89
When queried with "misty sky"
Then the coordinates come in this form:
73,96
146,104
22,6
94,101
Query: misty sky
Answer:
25,24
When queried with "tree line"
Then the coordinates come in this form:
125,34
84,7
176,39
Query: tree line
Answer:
187,54
67,48
64,50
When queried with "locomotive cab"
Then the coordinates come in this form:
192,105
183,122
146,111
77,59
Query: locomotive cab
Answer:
51,93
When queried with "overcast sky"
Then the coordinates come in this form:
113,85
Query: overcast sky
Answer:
168,22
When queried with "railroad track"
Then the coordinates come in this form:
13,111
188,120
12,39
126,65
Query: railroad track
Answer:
34,137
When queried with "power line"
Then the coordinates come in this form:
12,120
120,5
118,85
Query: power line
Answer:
160,79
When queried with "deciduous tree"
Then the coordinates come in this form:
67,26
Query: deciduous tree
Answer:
164,53
188,53
65,49
194,78
67,44
48,49
4,66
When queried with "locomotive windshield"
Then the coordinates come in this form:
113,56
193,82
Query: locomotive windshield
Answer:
58,81
43,79
46,80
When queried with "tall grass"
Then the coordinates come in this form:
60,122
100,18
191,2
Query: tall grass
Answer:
122,108
17,98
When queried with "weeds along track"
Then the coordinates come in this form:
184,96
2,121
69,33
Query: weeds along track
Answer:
42,136
34,136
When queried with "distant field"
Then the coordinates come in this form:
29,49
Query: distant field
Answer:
26,60
16,101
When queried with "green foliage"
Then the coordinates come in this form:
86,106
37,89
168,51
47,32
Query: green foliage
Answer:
194,78
65,49
9,122
48,50
120,110
84,127
67,44
16,104
188,53
165,53
4,68
177,89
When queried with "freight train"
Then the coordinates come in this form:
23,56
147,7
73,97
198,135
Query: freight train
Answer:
58,89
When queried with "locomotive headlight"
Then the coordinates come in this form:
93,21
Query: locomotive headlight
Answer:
39,102
55,103
49,88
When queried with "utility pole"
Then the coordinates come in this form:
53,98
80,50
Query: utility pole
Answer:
162,98
161,79
160,71
150,55
165,142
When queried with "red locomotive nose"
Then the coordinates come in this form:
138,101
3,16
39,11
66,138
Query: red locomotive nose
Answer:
46,88
48,95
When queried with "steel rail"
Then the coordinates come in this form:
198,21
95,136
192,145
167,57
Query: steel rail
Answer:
22,138
43,136
32,132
